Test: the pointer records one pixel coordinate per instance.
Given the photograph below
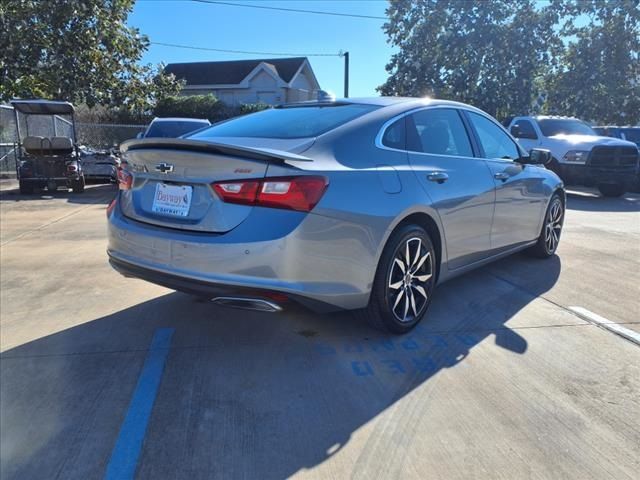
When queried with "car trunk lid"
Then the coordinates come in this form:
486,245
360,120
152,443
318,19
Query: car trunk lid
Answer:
172,181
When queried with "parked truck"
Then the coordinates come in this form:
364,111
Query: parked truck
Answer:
579,155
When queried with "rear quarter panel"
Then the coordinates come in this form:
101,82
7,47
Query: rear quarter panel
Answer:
371,190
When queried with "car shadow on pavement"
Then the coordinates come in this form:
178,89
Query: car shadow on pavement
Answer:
629,202
93,194
247,394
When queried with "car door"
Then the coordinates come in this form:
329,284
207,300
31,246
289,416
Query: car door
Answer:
459,184
520,195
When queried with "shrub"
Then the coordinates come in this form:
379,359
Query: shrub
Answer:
194,106
102,114
253,107
203,106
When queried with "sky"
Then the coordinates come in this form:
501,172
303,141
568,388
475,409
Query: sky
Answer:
200,24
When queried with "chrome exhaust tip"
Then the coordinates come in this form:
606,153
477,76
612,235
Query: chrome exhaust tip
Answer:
258,304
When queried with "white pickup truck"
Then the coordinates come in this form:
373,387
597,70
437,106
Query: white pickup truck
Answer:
580,155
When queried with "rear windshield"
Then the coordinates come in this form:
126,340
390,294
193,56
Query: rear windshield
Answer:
566,126
172,129
291,122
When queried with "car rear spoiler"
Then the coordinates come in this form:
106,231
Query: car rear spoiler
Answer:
265,154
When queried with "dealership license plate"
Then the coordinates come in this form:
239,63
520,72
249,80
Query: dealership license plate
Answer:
172,200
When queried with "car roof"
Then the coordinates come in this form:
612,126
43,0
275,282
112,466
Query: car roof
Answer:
555,117
617,126
408,102
179,119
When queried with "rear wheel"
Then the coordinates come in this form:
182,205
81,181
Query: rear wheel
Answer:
403,283
78,185
551,229
26,188
611,189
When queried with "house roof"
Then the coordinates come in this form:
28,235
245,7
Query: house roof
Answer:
231,72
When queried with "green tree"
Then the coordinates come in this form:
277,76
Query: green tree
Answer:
598,78
77,50
487,53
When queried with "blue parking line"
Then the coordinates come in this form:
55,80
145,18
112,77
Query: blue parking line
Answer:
124,457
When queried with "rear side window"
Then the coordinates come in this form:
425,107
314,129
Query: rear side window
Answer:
494,141
438,131
291,122
395,135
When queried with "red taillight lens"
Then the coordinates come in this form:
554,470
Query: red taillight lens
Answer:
293,193
72,168
125,179
111,206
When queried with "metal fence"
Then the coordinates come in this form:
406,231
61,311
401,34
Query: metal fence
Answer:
106,135
99,136
8,138
8,157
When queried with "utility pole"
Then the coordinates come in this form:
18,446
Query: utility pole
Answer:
346,74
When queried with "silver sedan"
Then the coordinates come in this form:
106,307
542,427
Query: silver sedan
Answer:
360,204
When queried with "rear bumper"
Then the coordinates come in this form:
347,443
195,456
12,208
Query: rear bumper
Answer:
212,290
315,260
99,171
100,178
45,180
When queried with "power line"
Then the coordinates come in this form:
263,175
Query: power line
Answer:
295,10
247,52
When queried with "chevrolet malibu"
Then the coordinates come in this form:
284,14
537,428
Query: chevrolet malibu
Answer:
359,204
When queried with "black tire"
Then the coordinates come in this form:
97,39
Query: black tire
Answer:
380,313
78,185
554,166
546,247
612,189
26,188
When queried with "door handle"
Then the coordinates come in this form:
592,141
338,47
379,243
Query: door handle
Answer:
439,177
501,176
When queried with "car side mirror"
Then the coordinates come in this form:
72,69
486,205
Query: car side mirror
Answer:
139,135
537,156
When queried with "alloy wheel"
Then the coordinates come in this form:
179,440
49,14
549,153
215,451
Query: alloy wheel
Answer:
410,280
553,226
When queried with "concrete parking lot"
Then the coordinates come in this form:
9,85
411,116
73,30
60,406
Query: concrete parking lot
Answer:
103,376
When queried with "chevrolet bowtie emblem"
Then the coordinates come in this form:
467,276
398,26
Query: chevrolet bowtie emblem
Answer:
164,167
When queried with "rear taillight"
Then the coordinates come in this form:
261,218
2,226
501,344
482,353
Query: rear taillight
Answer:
72,168
111,206
293,193
125,179
244,192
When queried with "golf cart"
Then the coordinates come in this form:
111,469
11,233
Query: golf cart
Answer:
48,155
